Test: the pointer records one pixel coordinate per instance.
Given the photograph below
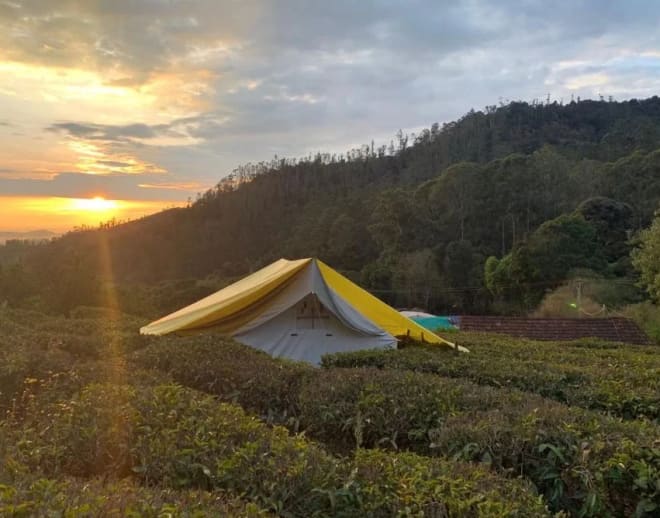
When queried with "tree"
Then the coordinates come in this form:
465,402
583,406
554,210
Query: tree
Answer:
635,180
463,272
453,198
561,244
545,260
646,258
612,221
392,221
415,277
15,284
492,178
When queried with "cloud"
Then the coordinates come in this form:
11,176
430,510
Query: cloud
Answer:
103,131
133,40
179,131
182,92
113,186
176,186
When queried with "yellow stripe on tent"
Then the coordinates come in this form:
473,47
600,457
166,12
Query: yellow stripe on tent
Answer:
375,310
232,302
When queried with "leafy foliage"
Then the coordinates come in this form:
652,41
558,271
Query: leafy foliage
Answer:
646,258
405,484
623,381
94,422
566,452
593,238
234,372
509,182
71,497
507,430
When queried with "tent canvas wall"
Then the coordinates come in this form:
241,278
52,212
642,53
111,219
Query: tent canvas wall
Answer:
299,309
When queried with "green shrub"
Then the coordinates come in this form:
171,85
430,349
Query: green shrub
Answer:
36,349
176,437
620,380
580,461
512,431
54,387
348,408
89,333
567,452
647,316
72,497
18,365
234,372
407,485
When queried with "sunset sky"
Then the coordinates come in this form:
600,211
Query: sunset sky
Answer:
147,102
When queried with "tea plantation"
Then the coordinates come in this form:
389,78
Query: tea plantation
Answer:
99,421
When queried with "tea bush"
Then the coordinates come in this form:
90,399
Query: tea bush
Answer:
87,399
613,378
512,431
406,484
63,384
176,437
88,333
92,498
567,452
57,356
234,372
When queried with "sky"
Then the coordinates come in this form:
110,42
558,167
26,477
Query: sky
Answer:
145,103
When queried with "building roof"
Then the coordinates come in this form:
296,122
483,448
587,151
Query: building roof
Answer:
613,329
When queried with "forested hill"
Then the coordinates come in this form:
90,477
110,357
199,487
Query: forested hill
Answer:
416,220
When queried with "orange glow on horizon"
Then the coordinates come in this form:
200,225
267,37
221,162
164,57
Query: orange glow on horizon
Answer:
19,214
96,204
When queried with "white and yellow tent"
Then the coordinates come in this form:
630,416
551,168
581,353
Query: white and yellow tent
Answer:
299,309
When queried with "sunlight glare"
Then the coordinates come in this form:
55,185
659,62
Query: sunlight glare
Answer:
96,204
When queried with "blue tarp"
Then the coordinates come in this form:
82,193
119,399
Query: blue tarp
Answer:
433,323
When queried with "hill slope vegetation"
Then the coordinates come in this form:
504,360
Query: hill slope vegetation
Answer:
483,214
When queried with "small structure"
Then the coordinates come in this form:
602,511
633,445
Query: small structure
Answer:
299,309
614,329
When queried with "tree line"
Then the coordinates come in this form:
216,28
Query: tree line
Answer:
484,214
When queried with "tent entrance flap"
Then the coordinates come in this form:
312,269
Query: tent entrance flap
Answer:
311,314
307,331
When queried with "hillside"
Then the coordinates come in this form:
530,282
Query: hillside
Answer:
414,221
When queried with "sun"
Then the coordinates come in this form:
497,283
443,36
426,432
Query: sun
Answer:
95,204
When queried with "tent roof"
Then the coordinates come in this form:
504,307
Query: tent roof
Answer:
376,310
232,307
230,301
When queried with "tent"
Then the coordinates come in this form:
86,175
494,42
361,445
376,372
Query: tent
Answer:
298,309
